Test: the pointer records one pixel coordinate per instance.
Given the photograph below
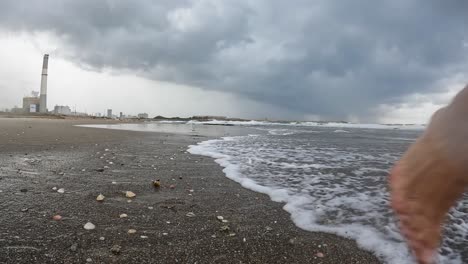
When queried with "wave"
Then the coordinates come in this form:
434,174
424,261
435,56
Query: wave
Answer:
301,124
312,202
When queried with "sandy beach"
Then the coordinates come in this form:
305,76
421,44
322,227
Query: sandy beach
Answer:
175,223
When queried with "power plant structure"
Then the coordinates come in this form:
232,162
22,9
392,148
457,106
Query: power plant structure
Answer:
43,96
35,102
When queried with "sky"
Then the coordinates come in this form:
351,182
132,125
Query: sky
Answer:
391,61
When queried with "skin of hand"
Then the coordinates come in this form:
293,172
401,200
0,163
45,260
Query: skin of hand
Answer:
430,177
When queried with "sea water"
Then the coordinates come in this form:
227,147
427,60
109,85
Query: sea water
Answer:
333,179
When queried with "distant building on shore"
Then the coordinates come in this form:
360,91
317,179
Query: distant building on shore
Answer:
62,110
109,113
143,115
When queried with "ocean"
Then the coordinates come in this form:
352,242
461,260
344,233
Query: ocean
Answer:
331,177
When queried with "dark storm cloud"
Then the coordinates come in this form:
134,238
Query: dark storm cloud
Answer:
331,58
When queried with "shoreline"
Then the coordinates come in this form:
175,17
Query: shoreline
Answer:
38,155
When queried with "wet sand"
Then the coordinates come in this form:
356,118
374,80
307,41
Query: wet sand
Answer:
37,155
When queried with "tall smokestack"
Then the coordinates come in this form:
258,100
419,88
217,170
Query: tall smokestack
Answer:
43,97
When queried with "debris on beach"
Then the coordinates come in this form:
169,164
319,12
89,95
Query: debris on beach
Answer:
172,186
89,226
131,231
100,170
157,183
144,237
225,228
232,234
190,214
320,255
24,210
130,194
123,216
24,190
114,182
165,234
150,207
57,217
61,190
116,249
54,188
100,198
102,238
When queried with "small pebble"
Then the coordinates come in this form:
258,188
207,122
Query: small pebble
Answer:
100,198
102,238
150,207
57,217
130,194
116,249
320,255
123,216
89,226
54,188
131,231
74,247
144,237
89,260
190,214
165,234
61,190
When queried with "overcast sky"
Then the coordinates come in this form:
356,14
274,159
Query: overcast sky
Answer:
363,60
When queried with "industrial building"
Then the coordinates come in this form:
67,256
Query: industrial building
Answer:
109,113
31,103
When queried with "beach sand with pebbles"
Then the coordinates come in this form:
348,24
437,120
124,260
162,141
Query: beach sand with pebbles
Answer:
178,222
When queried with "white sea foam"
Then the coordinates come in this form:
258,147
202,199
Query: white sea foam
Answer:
305,124
326,189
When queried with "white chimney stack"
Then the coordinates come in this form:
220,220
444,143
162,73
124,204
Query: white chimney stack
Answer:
43,96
